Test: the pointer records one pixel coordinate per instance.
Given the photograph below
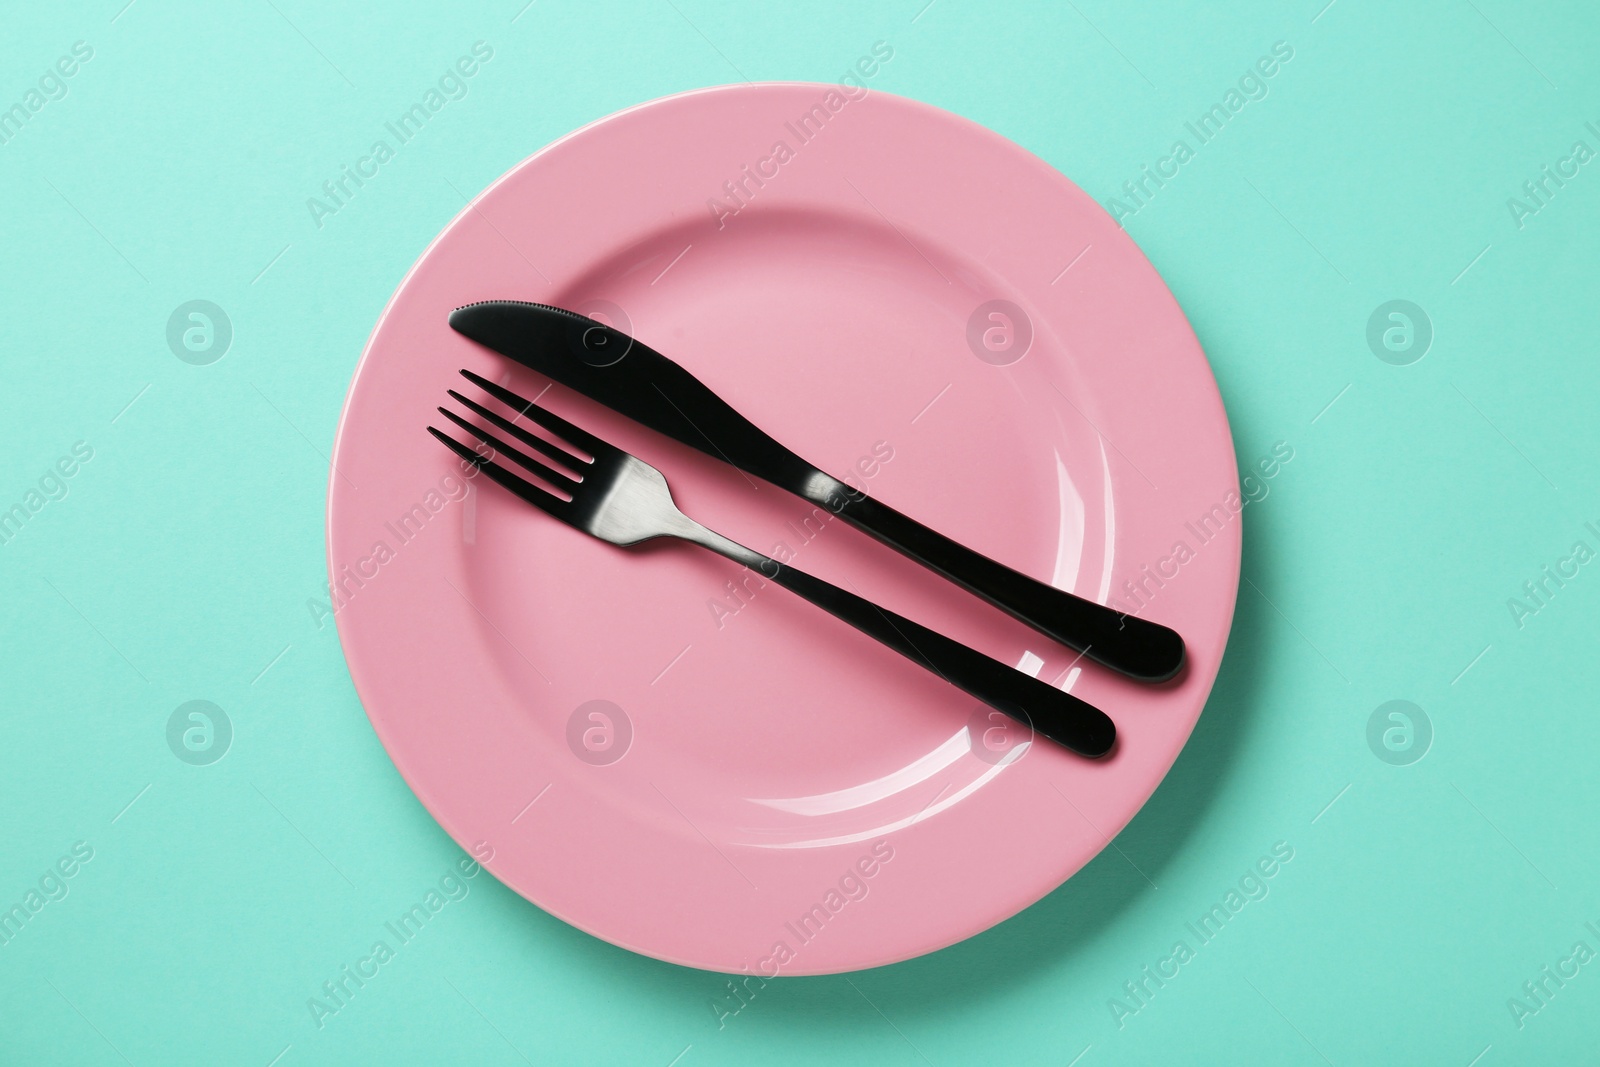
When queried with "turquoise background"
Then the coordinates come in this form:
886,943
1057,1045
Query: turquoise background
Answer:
1379,567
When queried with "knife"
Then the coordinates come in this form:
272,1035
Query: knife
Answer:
635,380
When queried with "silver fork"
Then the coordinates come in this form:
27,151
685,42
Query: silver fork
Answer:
619,498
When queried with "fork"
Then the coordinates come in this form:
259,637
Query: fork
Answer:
617,497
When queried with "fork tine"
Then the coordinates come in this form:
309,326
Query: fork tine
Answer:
549,474
549,420
555,452
540,498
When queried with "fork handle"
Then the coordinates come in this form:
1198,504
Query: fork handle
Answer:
1058,715
1136,647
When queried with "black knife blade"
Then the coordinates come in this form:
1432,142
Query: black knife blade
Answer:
635,380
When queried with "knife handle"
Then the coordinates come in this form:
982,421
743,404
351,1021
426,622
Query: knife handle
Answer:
1136,647
1058,715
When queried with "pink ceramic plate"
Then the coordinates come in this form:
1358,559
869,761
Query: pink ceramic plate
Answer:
651,744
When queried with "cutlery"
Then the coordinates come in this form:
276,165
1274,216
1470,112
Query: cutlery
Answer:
633,379
616,497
